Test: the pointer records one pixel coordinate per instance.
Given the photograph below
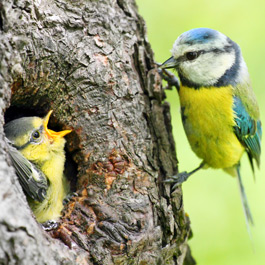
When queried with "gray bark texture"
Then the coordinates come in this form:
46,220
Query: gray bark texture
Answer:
90,62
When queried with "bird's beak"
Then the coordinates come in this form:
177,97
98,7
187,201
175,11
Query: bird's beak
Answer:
52,134
170,63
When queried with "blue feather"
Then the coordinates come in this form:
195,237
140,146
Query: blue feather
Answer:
248,131
199,35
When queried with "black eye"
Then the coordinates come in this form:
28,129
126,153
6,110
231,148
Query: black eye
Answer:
192,55
36,135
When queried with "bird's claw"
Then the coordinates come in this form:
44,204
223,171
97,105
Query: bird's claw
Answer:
170,78
178,179
69,197
50,225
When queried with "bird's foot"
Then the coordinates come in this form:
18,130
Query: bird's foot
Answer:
178,179
50,225
69,197
171,79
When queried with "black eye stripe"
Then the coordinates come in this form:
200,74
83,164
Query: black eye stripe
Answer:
226,49
184,58
190,56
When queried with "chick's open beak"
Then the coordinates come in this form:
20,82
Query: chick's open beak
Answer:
52,134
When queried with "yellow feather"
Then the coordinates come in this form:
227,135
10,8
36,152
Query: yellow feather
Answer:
208,120
50,158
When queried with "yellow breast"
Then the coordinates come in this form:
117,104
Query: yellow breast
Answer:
208,120
52,167
51,207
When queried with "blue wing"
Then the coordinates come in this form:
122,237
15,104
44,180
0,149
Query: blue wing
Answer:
248,131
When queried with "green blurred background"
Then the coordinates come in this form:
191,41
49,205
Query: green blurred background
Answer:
211,197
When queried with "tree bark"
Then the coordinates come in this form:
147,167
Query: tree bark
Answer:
90,62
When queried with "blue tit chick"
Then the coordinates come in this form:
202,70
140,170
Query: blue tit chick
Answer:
37,154
219,110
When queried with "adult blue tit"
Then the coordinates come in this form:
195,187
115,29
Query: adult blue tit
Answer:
219,110
38,156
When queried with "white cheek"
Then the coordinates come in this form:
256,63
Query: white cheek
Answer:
208,68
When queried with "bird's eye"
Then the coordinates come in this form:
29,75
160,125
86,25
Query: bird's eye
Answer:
192,55
36,135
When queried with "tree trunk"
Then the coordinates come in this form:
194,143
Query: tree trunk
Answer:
90,62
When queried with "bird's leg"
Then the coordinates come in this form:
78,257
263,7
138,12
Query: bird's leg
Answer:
181,177
171,79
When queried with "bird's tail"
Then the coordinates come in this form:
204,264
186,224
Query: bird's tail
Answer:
247,212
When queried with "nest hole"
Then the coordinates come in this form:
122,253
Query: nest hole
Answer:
70,169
